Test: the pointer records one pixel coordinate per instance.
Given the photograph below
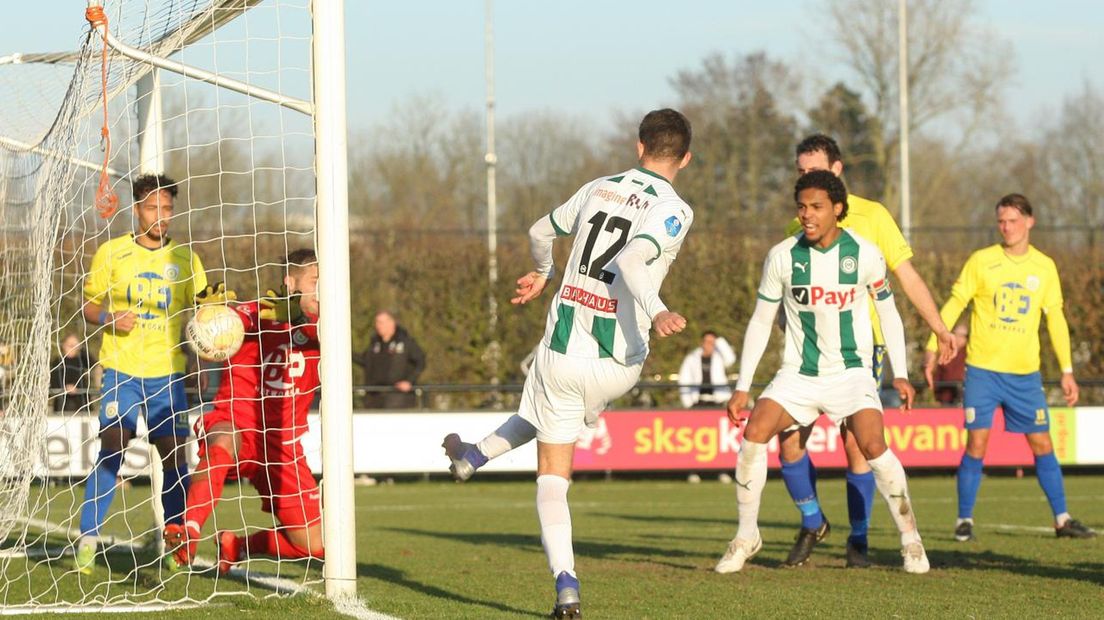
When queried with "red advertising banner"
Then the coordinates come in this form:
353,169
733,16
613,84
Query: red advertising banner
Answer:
699,439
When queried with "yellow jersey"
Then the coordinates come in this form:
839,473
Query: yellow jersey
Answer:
871,221
158,286
1009,293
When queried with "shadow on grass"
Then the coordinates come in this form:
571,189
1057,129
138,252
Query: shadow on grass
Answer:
588,548
987,560
668,520
399,578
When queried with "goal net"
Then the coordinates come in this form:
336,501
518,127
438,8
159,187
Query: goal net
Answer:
75,127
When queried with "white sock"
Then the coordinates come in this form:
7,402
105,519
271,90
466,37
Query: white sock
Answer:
1061,519
555,521
889,476
514,432
751,477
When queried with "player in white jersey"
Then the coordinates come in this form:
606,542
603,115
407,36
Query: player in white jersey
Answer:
628,229
823,277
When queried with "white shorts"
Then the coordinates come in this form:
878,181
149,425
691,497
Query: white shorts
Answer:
562,394
838,396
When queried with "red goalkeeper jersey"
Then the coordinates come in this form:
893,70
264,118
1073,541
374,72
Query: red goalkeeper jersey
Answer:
239,388
289,379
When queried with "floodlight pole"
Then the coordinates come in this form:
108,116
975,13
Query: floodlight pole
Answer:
903,105
493,349
331,168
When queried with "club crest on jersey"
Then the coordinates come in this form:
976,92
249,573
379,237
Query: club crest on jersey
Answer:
299,338
171,273
1032,283
673,226
820,296
848,264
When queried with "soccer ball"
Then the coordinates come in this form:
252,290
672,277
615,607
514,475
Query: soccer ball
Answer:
215,332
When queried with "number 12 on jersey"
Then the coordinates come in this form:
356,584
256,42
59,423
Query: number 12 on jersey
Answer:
597,269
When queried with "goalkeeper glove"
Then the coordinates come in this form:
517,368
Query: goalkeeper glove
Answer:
217,294
281,306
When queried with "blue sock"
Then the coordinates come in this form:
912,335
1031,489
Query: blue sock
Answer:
860,502
174,495
1049,473
98,492
800,480
969,481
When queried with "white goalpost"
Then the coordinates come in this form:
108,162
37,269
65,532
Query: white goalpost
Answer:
242,103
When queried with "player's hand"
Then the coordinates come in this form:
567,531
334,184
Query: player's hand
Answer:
1069,389
906,392
281,306
667,323
737,406
948,347
403,386
122,321
216,294
929,369
529,287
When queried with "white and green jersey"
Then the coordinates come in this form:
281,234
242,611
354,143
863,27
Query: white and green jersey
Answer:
825,294
593,315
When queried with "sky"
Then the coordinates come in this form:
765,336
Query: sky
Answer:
594,59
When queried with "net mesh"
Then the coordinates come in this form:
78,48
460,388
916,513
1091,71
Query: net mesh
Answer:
246,199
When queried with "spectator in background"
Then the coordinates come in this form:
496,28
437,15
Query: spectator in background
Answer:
70,376
949,378
393,358
706,388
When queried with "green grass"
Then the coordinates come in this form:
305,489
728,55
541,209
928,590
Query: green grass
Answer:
646,549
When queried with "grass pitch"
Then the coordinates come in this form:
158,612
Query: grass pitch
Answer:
646,549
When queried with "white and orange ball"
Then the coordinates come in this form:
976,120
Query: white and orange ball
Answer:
215,332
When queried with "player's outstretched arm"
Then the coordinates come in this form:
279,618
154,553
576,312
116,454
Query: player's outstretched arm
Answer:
918,293
542,234
756,337
632,264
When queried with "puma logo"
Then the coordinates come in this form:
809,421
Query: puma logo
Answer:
745,485
803,266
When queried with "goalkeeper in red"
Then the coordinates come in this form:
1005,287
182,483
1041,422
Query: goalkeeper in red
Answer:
254,431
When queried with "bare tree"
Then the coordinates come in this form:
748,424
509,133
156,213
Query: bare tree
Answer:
957,67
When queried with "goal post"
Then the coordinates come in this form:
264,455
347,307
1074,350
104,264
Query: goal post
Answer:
52,253
331,170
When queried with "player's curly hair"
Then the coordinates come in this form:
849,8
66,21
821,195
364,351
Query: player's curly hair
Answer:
825,180
147,183
1018,202
819,142
665,134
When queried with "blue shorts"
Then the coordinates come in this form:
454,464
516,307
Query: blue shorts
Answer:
1020,396
162,398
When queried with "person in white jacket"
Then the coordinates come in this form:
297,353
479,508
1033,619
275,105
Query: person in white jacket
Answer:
696,387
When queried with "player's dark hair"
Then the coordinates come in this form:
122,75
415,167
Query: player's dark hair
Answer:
1018,202
709,332
822,143
147,183
298,259
825,180
665,134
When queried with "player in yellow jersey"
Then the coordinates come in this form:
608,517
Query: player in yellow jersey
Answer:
139,288
1011,285
871,221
